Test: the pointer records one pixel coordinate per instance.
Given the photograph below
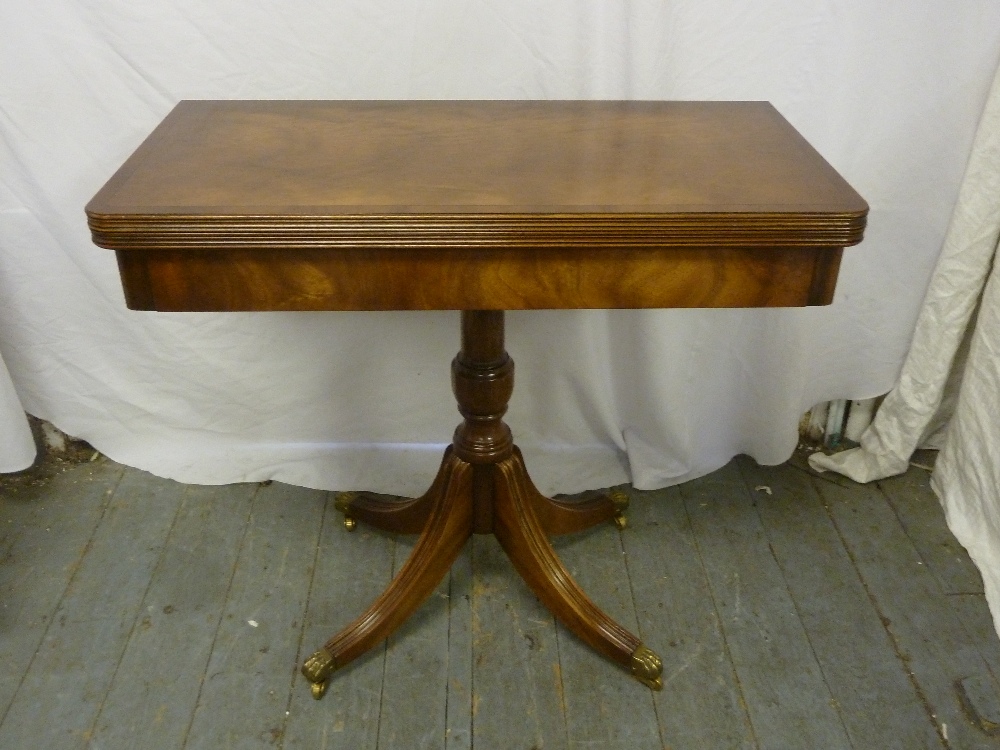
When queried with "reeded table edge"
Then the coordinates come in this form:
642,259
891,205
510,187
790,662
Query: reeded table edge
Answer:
499,230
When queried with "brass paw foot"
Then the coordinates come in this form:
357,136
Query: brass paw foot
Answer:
620,500
647,668
342,502
317,669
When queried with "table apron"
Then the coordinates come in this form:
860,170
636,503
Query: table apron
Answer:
239,278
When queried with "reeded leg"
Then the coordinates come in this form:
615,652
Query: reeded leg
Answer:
397,516
448,526
522,536
483,487
564,516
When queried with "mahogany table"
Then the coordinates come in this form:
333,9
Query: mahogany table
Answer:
480,207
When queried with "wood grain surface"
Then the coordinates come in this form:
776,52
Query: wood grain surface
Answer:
309,205
503,279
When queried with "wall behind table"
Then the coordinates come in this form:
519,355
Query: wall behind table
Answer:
890,97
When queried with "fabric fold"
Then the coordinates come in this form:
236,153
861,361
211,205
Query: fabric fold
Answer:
911,410
17,447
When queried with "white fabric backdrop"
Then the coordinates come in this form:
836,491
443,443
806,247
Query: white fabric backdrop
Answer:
890,96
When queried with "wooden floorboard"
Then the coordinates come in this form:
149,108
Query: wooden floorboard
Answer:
854,652
59,700
973,612
139,613
927,635
458,708
517,690
350,571
49,527
701,704
254,659
922,519
605,707
415,691
155,687
787,698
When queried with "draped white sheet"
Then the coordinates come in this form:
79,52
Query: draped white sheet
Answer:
17,448
890,95
966,281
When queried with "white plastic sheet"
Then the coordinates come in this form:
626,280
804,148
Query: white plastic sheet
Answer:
890,95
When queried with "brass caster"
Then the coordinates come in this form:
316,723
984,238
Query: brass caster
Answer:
620,500
342,502
647,668
317,669
318,689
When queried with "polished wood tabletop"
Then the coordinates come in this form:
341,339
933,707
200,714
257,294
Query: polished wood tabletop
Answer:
315,205
480,207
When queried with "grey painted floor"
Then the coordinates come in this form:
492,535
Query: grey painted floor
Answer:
791,611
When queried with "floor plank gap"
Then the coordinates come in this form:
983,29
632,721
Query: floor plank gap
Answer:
639,629
897,648
218,624
741,695
297,677
135,620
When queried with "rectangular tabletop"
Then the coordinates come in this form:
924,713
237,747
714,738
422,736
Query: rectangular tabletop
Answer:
312,205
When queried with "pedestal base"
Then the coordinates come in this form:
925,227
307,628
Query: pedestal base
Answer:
483,487
521,520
